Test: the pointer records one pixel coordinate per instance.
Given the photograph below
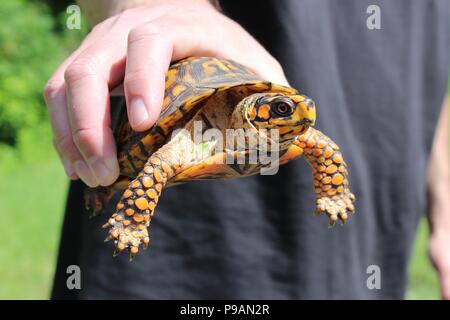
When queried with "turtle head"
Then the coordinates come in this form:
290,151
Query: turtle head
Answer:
292,115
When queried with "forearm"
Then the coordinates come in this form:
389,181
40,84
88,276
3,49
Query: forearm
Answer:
99,10
438,180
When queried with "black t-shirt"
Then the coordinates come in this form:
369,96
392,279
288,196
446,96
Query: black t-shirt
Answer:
378,95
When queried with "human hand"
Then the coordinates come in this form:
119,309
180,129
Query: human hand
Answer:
438,180
136,47
439,252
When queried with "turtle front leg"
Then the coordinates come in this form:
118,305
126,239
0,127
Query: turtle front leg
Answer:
330,175
128,226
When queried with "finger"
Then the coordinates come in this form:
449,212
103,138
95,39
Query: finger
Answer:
255,56
148,58
444,278
87,83
55,98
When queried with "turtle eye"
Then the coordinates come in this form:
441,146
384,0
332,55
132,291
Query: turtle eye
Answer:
282,108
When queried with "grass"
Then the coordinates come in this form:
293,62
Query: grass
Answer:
32,194
423,280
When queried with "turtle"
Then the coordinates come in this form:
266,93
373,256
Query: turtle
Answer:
213,98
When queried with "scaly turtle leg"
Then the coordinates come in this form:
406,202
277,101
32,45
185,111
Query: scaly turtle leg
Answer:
128,226
330,175
134,211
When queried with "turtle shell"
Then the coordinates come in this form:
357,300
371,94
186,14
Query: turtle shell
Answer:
189,83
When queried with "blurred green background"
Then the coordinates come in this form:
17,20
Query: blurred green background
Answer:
33,41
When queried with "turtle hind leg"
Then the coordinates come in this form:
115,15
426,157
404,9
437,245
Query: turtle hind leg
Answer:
128,226
96,199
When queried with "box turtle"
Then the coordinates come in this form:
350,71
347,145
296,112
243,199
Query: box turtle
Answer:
213,97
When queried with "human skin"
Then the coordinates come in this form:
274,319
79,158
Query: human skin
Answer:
137,46
439,201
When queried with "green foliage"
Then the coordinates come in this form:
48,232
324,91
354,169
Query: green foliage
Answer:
30,49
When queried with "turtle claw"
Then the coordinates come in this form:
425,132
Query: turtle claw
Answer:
116,252
336,207
127,233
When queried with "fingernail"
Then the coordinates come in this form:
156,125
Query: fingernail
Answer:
84,173
101,171
112,164
138,112
68,168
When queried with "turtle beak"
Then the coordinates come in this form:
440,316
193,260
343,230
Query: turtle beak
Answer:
306,122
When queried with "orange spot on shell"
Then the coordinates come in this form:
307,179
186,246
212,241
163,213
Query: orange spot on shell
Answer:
140,192
129,212
119,206
328,162
340,189
178,89
151,206
158,187
141,203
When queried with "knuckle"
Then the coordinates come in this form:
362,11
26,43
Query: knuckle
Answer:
50,89
79,69
83,137
144,32
63,144
135,77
